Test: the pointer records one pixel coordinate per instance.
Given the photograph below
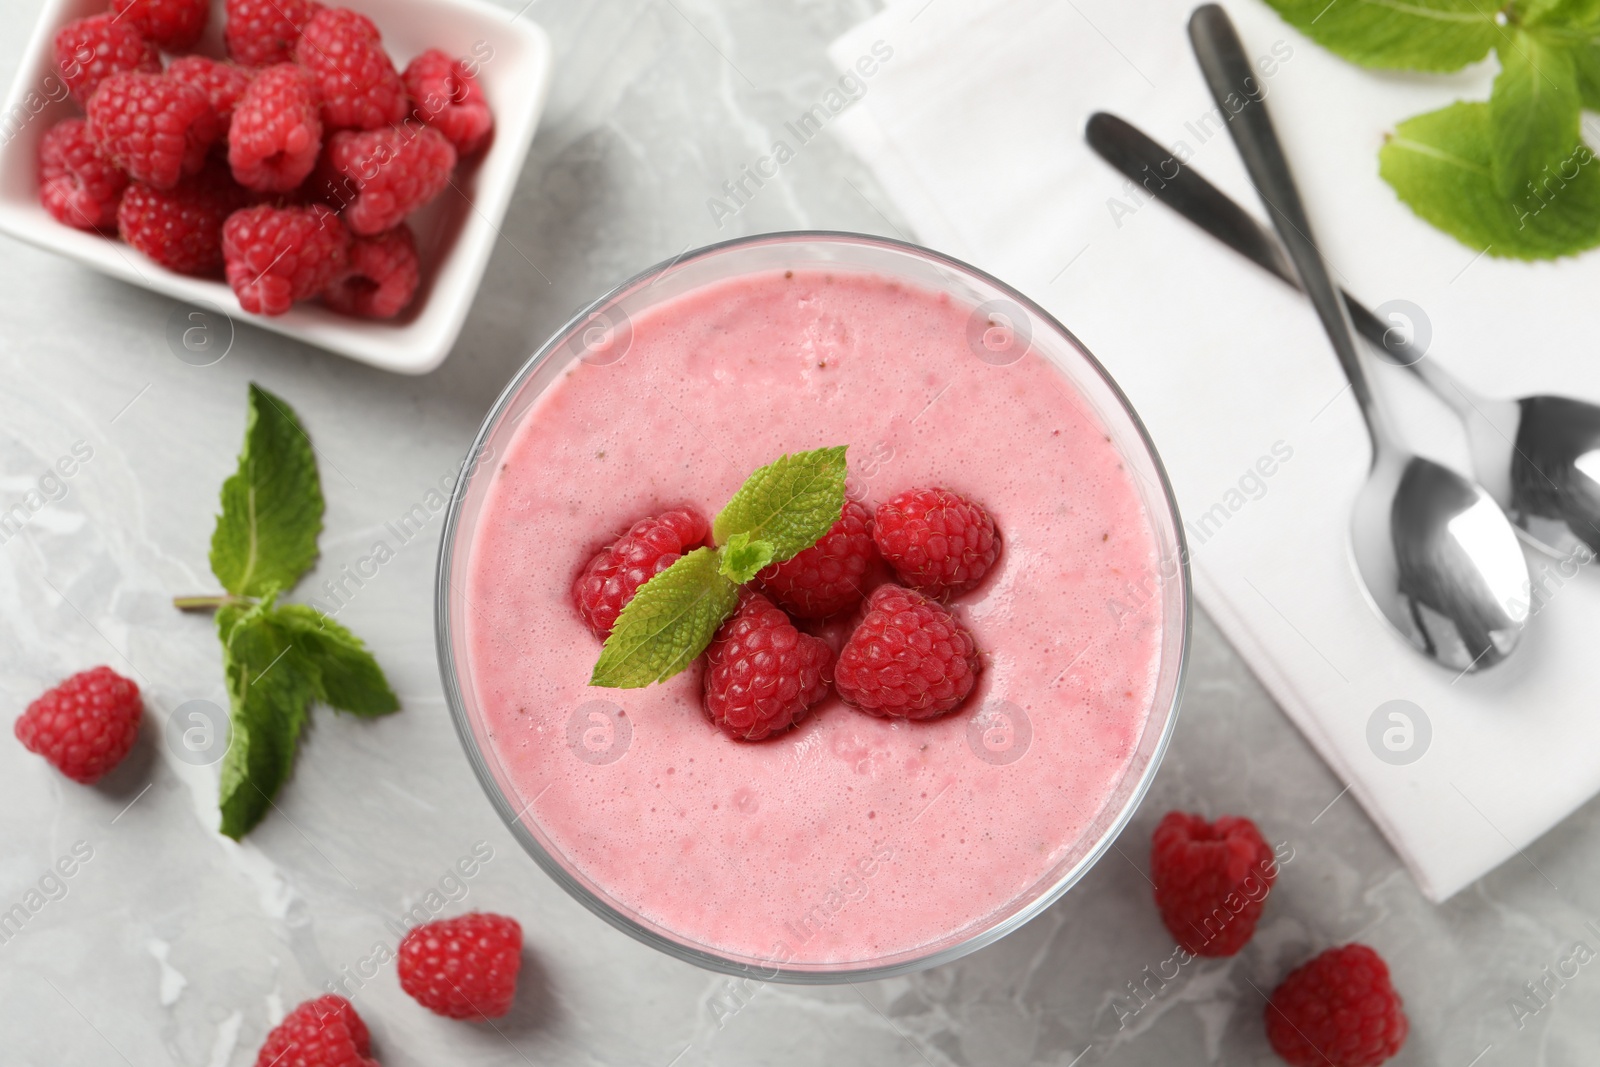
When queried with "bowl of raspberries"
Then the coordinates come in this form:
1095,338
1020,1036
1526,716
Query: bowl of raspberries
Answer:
336,174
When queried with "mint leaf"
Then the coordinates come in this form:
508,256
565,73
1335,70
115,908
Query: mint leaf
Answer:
1565,17
1533,111
790,503
1586,62
342,672
1398,34
268,699
742,558
1441,165
669,621
266,536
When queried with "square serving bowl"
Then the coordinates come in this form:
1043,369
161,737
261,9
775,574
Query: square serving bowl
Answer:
455,234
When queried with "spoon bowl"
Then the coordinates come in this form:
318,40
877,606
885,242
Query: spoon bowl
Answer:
1435,553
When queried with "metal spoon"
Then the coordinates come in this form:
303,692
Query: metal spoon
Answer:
1539,457
1436,555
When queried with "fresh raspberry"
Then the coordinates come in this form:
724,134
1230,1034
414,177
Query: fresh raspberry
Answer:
907,659
260,33
223,83
276,134
463,968
379,177
939,543
151,126
90,50
616,572
381,279
325,1032
1339,1010
174,25
1211,880
277,255
360,88
85,725
447,97
826,578
76,184
181,228
763,675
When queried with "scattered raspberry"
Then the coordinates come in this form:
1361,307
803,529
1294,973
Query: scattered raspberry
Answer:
181,228
260,33
276,134
826,578
908,658
223,83
463,968
90,50
763,675
151,126
616,572
277,255
381,176
1211,880
381,279
448,97
344,53
325,1032
174,25
1339,1010
85,725
76,184
939,543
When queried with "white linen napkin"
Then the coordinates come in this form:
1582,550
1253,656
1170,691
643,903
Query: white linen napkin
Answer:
974,126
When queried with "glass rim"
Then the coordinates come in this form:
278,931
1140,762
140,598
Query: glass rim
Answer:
812,974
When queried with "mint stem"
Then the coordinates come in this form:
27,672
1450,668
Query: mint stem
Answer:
206,602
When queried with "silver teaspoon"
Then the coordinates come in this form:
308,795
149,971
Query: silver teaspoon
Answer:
1539,456
1437,556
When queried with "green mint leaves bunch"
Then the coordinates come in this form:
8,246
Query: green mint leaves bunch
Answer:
781,510
277,658
1510,176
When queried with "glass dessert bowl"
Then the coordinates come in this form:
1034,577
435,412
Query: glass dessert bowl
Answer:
850,846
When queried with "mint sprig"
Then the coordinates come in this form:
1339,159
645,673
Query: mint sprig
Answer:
1538,202
781,510
277,659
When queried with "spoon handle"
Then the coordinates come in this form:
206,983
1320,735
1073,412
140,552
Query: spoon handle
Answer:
1238,93
1181,188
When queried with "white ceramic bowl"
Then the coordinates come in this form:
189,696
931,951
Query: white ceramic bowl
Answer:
455,234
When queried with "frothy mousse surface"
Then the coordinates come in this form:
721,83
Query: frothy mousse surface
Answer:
848,838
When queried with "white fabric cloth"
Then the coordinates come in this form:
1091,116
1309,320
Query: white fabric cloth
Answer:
974,127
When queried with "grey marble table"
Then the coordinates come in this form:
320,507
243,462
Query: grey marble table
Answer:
172,945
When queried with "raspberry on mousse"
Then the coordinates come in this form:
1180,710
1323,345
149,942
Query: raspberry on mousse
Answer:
908,658
830,576
937,541
762,674
651,545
